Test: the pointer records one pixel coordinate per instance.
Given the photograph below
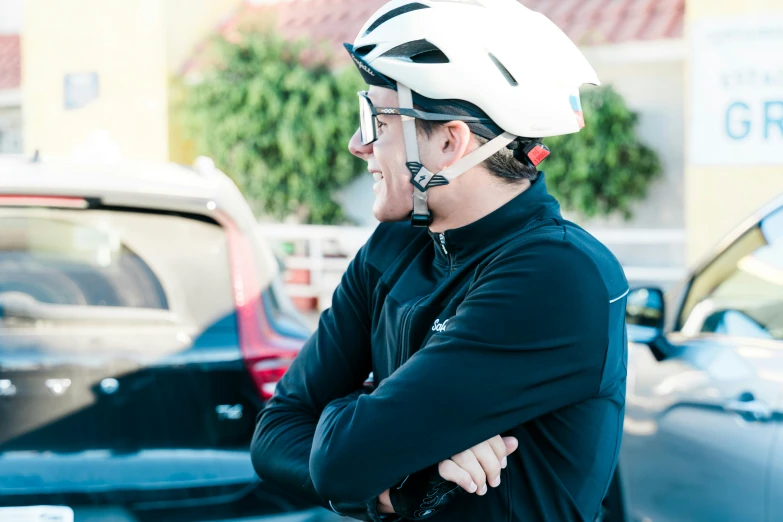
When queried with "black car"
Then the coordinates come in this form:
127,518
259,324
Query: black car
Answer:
703,437
142,328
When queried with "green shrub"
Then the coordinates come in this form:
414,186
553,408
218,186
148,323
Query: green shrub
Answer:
278,124
604,168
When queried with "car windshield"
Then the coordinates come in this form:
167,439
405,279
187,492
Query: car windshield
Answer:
741,292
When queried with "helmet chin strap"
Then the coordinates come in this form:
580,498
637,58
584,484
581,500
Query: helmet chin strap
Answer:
421,178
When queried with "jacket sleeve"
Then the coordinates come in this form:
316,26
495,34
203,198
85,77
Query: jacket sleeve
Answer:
529,338
333,363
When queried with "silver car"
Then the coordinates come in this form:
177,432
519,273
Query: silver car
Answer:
704,412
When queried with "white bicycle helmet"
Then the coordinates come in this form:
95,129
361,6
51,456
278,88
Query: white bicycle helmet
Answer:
480,58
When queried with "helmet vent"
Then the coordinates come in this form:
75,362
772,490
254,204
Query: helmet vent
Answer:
364,50
430,57
507,75
418,51
394,13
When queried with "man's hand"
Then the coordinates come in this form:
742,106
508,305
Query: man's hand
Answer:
479,466
384,503
471,469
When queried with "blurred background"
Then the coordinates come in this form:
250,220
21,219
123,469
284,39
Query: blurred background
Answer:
177,204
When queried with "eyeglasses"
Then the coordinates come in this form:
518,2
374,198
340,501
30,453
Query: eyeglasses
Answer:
368,121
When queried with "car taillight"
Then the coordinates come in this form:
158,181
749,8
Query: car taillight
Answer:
267,373
267,355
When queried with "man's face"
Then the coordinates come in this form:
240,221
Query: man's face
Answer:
386,160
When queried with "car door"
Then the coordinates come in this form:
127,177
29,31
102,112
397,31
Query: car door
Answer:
701,416
775,500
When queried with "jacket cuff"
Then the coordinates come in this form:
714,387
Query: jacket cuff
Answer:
367,511
423,494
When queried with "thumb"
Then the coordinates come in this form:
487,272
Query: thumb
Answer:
511,444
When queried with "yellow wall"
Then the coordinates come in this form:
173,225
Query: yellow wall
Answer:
134,46
122,42
188,22
718,198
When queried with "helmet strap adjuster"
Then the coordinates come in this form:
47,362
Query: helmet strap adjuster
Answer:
421,178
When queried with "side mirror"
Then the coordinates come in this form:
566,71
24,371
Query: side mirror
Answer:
644,315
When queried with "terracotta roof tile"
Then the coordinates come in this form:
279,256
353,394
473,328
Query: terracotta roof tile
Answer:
589,11
587,22
10,64
641,6
659,23
678,28
614,8
560,12
631,26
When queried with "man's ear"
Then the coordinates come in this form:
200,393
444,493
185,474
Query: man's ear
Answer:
453,141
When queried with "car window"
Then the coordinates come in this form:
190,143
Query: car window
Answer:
741,292
58,260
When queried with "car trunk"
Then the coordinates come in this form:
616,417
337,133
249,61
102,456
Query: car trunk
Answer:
122,378
124,389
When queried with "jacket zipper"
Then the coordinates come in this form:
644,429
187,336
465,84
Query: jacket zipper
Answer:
442,238
406,319
405,334
443,243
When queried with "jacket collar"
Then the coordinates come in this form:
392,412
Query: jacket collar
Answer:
500,224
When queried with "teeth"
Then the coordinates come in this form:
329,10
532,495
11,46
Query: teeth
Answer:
377,176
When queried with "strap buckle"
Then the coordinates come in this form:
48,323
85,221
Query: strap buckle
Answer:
421,220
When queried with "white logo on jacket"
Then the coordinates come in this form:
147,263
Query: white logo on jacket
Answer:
438,326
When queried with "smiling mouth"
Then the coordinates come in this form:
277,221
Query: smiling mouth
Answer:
377,176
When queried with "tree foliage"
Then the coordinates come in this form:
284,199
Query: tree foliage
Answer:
276,117
604,168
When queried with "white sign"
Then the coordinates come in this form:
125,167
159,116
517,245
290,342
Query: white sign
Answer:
737,91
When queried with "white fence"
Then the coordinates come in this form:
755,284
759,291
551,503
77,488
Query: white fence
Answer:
323,252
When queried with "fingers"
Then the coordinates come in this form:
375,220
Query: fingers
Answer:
449,470
479,467
468,461
489,461
499,447
384,503
512,444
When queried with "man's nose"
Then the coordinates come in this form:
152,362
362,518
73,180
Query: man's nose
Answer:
356,147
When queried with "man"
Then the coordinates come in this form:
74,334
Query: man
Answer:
491,316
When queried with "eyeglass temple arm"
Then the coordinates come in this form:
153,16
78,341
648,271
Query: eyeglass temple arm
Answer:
431,116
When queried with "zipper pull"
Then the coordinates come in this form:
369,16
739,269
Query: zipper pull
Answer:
443,243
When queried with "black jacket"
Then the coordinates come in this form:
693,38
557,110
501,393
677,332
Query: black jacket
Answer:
512,325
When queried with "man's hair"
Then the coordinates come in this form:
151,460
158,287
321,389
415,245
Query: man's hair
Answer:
502,164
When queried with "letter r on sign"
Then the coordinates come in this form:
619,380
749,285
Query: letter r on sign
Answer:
769,120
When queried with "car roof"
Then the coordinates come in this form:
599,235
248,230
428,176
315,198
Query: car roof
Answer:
76,178
154,185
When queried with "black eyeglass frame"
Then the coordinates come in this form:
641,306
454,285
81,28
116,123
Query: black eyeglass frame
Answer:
365,101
